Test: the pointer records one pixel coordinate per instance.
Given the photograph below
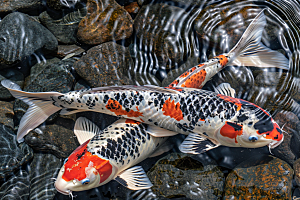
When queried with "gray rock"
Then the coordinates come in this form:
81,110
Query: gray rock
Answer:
21,35
12,75
44,169
16,187
180,175
21,5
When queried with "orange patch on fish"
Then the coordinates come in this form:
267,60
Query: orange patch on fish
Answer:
232,100
131,121
222,60
173,110
231,130
115,107
275,134
80,159
195,80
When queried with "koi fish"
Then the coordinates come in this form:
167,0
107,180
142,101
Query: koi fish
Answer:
108,155
209,119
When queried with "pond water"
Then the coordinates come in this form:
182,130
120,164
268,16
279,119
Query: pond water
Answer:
67,45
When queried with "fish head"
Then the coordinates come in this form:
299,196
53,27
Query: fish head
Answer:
83,171
252,128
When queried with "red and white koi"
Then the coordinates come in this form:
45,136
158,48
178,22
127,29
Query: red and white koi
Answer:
108,155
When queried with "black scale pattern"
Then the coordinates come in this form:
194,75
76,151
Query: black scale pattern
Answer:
124,145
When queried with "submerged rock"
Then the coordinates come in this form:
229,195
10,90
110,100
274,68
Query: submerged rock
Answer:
105,21
21,35
260,177
179,175
104,65
16,187
65,50
24,5
13,75
44,169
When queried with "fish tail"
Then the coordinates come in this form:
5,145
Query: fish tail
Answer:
249,51
40,107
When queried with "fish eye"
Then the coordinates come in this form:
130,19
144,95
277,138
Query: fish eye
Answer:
253,138
85,181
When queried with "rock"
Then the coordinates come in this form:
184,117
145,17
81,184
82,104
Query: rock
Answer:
51,76
21,35
105,21
6,114
57,138
12,75
81,84
289,149
64,29
296,168
104,65
170,43
260,177
65,50
61,4
179,175
17,187
44,168
132,8
20,5
12,155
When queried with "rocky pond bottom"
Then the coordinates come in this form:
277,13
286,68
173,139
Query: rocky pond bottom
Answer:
53,45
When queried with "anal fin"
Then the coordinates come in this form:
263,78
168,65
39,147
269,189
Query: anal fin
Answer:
134,178
196,144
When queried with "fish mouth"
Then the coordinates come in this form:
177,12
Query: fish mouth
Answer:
62,192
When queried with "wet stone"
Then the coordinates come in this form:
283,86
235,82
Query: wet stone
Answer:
12,154
60,5
289,149
16,187
6,114
64,29
12,75
44,168
57,138
170,43
179,175
105,64
260,177
296,168
21,35
51,76
21,5
105,21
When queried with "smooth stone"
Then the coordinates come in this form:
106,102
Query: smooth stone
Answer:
80,85
65,50
6,114
180,175
20,5
170,43
65,28
57,138
44,169
21,35
16,187
58,5
13,75
12,154
260,177
296,168
105,21
51,76
104,65
289,149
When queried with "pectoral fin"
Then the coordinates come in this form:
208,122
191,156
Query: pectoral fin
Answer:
196,144
134,178
84,129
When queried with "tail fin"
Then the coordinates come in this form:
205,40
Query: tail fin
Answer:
249,51
40,109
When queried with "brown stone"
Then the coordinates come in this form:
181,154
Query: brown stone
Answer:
6,114
64,50
105,64
296,168
105,21
260,177
132,8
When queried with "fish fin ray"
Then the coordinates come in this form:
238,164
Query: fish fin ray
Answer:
225,89
70,111
134,178
40,109
165,147
160,132
249,51
196,144
85,130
